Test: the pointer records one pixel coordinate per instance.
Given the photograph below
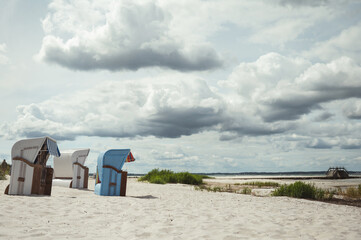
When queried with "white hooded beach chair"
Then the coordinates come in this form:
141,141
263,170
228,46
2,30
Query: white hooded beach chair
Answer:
29,173
69,169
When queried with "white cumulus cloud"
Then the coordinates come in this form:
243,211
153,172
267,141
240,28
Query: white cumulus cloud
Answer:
118,35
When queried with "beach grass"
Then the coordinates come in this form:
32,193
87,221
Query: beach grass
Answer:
2,175
240,188
262,184
246,190
227,188
351,192
4,172
303,190
167,176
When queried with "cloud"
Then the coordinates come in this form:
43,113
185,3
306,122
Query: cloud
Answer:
323,117
319,144
275,96
3,58
300,3
120,35
341,45
130,35
279,88
173,154
320,83
351,144
161,108
352,109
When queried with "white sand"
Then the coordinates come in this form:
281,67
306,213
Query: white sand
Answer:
172,212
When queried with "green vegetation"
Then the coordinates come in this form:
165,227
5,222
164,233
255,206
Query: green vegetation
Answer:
303,190
4,170
351,192
262,184
2,175
227,188
167,176
246,190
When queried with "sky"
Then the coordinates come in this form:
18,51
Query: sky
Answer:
192,85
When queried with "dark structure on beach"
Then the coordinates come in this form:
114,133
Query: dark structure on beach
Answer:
337,173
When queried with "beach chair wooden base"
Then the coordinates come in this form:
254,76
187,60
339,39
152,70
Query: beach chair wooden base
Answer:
86,177
123,184
42,181
7,189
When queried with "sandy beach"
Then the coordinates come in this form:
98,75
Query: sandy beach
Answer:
172,211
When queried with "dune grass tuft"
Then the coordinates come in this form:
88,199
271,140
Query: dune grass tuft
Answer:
351,192
303,190
246,190
167,176
2,174
4,171
262,184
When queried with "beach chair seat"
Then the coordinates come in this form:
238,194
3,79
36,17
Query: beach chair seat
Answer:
69,169
110,179
29,172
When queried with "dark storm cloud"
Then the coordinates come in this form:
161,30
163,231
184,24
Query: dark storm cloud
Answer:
252,127
301,3
57,136
83,59
321,83
172,123
354,116
291,107
324,116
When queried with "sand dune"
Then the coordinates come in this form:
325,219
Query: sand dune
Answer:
172,212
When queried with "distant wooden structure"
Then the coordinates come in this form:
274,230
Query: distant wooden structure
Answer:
337,173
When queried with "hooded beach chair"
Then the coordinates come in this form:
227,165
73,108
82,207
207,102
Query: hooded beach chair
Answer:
110,179
29,173
69,169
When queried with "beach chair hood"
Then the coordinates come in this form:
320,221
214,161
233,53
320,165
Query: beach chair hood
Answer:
30,148
114,158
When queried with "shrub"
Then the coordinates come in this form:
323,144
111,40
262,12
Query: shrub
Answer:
188,178
299,190
157,180
167,176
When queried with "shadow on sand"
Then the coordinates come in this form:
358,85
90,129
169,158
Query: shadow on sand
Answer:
144,197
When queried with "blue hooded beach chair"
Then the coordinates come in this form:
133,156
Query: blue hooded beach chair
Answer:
110,179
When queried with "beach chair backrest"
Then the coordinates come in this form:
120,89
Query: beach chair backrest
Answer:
29,174
70,165
109,171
